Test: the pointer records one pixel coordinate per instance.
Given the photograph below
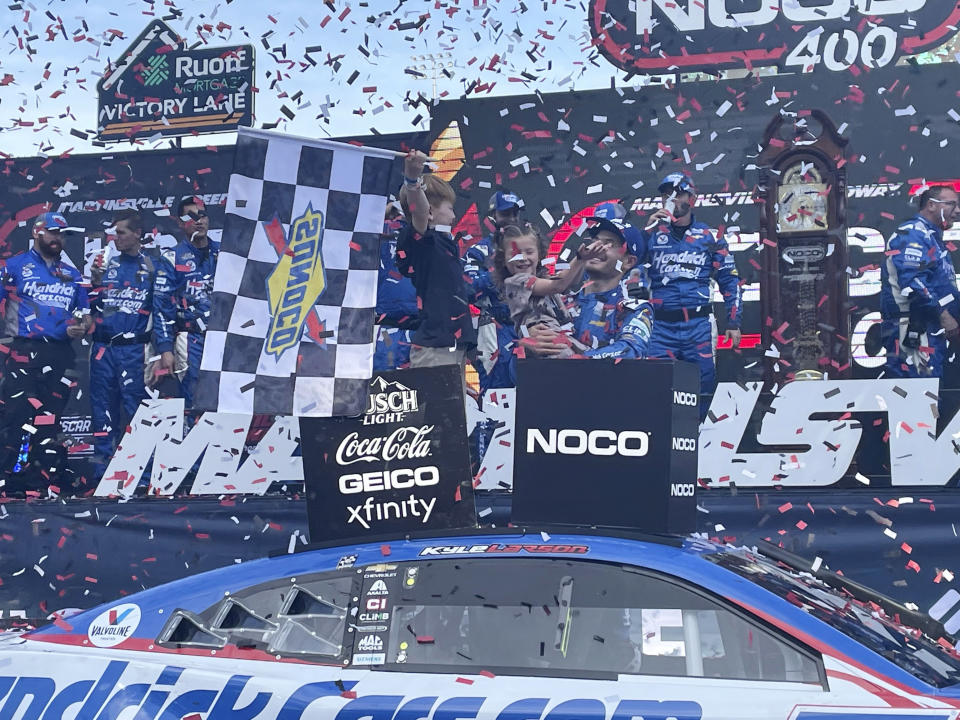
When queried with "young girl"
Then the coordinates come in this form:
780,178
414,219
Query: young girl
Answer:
534,298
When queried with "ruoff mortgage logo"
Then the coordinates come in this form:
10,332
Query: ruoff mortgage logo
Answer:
646,36
296,282
155,72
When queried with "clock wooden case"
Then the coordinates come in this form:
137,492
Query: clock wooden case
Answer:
802,196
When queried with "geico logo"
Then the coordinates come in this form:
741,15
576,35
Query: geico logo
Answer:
688,444
389,480
685,398
629,443
681,489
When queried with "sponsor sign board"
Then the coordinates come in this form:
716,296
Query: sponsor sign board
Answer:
160,87
623,454
657,36
402,465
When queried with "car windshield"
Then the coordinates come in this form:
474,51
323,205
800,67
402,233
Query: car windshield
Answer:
864,622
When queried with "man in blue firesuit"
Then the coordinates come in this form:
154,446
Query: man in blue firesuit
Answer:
181,297
919,302
45,310
121,299
682,256
607,322
397,312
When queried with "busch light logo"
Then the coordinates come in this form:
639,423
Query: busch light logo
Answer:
389,402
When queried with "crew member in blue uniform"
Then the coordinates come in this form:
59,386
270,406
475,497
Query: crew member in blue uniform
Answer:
397,312
503,209
181,297
45,310
496,335
121,299
919,302
682,256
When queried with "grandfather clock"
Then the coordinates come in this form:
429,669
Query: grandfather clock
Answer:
803,285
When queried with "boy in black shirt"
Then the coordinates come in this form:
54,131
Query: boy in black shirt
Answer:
428,254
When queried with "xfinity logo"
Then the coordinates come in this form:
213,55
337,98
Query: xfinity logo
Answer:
687,444
681,489
628,443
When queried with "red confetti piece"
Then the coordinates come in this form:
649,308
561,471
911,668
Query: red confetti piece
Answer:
385,550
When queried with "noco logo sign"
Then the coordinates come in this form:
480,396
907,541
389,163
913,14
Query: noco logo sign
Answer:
648,36
628,443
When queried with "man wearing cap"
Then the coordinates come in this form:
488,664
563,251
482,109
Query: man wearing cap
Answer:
919,301
682,256
121,299
181,298
495,331
45,309
607,322
397,312
503,209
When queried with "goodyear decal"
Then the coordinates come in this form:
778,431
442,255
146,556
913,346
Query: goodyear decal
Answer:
124,691
295,283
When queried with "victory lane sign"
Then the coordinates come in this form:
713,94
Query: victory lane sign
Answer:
158,86
402,466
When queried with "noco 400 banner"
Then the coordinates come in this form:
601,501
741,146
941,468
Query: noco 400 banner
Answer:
158,86
403,465
651,36
623,453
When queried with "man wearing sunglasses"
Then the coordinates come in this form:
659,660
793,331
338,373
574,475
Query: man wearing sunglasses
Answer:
919,303
181,298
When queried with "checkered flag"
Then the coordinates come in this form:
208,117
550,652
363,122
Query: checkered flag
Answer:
291,321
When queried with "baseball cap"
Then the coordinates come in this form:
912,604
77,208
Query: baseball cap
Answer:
678,181
51,221
617,227
610,211
504,201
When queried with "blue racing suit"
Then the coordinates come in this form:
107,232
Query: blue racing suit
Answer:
40,301
681,262
181,303
496,334
122,305
918,282
397,312
611,324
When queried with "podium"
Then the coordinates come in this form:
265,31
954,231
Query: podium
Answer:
606,443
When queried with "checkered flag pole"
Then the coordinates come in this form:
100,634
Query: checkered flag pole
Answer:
291,323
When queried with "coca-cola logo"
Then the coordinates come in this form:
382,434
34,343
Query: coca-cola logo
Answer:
800,35
404,443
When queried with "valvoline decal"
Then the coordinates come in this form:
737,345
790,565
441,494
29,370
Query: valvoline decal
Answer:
174,693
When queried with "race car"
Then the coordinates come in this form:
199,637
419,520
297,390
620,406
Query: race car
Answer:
508,625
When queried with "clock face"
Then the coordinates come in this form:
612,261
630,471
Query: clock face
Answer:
801,200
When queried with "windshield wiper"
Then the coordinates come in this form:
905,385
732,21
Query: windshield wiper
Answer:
921,621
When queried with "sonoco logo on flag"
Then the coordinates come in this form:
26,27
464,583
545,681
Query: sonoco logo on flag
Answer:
292,312
296,283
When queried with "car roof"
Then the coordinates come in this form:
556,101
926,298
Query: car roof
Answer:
681,558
